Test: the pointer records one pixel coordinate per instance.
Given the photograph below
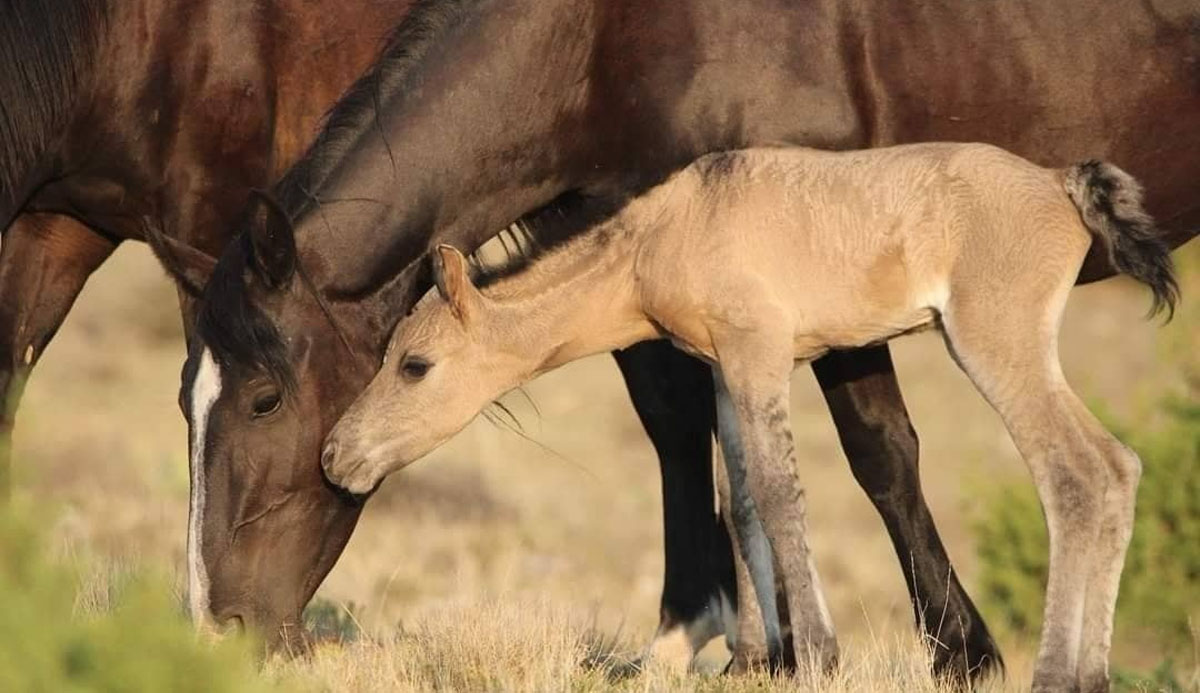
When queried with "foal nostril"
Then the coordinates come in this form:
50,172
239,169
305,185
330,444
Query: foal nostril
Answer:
328,455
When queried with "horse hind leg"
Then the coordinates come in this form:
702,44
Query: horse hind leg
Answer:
44,262
1085,479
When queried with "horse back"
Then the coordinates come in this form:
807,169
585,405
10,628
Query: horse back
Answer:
1053,82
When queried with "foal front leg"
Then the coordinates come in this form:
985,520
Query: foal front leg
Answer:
752,544
756,372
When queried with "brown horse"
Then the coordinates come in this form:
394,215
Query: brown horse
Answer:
129,119
965,237
149,119
483,112
123,118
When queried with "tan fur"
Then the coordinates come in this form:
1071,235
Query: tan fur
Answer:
756,259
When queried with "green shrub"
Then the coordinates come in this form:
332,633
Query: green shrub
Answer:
1160,587
143,643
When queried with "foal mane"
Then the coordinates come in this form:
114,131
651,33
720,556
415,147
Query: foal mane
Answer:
47,49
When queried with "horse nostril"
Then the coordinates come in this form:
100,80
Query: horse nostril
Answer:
328,455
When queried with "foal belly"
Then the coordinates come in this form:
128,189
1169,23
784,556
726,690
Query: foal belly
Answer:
861,303
811,341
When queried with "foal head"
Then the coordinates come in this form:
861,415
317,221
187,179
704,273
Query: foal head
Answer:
445,362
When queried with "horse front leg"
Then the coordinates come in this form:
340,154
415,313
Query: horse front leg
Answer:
877,436
673,396
44,262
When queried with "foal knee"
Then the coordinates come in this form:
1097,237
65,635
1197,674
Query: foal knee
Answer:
1076,495
1124,468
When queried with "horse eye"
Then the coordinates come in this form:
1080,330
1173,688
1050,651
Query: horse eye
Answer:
266,404
414,367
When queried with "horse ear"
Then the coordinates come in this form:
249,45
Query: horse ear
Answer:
190,267
272,242
453,280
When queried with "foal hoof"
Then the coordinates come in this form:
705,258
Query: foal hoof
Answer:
1055,683
1097,683
754,661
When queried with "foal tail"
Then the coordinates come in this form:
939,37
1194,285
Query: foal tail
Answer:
1110,202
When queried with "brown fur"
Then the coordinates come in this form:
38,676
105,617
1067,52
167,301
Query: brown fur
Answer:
186,105
776,256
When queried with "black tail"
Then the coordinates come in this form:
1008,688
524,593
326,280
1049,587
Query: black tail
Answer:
1110,202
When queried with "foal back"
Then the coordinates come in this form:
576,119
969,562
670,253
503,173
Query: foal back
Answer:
850,248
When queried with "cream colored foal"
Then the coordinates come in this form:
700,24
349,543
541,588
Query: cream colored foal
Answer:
753,260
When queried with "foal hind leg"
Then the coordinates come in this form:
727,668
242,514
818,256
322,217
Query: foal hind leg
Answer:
755,367
1084,478
44,261
1124,471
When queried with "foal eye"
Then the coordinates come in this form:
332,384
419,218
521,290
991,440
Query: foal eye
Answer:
414,367
266,405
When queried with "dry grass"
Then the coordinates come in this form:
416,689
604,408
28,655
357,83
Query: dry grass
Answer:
503,560
515,645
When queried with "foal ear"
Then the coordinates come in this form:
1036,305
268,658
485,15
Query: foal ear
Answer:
189,266
453,280
272,243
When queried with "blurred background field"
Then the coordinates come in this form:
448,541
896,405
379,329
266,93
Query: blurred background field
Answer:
501,561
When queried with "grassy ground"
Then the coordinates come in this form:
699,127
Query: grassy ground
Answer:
502,562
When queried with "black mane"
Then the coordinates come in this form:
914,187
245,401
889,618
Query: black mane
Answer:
47,48
239,333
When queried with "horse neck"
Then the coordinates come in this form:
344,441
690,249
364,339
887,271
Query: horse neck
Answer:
579,299
392,173
47,52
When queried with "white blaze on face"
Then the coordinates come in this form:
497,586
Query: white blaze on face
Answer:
206,388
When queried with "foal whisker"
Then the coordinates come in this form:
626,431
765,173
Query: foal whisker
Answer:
518,430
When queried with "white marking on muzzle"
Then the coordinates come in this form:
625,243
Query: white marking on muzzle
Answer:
206,388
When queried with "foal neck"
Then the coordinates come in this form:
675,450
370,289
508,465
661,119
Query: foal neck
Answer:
576,300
